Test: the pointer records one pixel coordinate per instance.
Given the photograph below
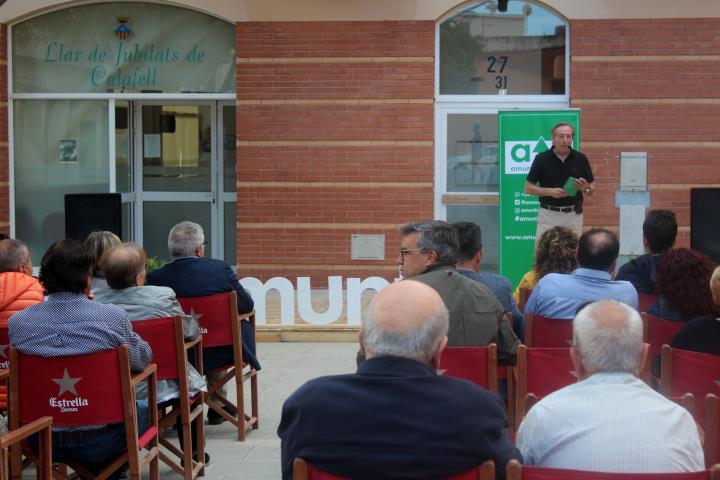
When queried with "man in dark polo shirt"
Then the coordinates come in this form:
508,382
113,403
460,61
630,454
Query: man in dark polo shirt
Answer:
549,173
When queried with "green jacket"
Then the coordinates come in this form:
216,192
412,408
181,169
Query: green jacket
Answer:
476,316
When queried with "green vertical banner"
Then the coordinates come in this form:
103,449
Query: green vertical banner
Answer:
522,134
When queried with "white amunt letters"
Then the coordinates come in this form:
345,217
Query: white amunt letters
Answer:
354,286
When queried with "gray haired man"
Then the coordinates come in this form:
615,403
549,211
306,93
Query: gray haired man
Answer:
428,254
610,421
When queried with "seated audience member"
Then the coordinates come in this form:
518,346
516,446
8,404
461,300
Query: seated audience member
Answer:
555,253
428,254
18,288
610,421
702,334
395,417
659,233
470,254
68,323
124,269
560,295
192,275
683,284
97,243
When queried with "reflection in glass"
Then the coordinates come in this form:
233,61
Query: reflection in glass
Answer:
228,149
176,148
230,232
487,52
123,169
160,217
472,153
486,217
41,177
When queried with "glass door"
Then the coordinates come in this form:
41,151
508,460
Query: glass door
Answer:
178,168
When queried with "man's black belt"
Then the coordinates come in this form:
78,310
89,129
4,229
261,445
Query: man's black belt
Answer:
569,208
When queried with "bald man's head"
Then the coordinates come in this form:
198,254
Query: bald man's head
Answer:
406,319
123,265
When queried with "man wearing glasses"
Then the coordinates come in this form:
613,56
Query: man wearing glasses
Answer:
428,254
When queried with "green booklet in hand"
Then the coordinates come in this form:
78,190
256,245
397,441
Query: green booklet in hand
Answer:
570,187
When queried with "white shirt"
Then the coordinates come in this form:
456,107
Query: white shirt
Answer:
610,422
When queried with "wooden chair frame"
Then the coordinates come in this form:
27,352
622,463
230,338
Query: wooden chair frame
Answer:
523,294
240,373
43,459
515,472
712,429
302,470
134,442
189,409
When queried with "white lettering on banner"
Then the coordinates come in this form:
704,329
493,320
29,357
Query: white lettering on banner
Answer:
258,290
519,155
68,405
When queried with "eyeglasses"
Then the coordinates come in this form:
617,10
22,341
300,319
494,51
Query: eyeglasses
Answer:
404,251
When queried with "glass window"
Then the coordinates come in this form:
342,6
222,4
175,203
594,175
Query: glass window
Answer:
160,217
124,47
472,153
60,147
486,217
517,52
177,148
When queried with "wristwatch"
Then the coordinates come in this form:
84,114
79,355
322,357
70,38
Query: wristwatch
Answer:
587,190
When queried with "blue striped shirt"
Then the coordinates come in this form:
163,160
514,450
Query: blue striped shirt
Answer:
610,422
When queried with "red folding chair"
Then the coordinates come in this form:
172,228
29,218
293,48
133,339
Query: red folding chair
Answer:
165,336
547,332
477,364
220,326
646,300
303,470
658,331
683,372
540,371
80,390
515,471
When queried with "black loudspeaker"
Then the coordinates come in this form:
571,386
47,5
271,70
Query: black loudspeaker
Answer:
705,221
88,212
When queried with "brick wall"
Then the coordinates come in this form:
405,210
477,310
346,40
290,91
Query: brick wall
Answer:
335,137
4,152
649,86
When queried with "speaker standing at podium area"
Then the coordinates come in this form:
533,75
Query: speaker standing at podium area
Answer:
561,177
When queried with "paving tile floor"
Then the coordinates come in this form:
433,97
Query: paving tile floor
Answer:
285,366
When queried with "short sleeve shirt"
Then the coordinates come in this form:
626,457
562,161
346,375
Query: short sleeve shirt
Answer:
549,171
